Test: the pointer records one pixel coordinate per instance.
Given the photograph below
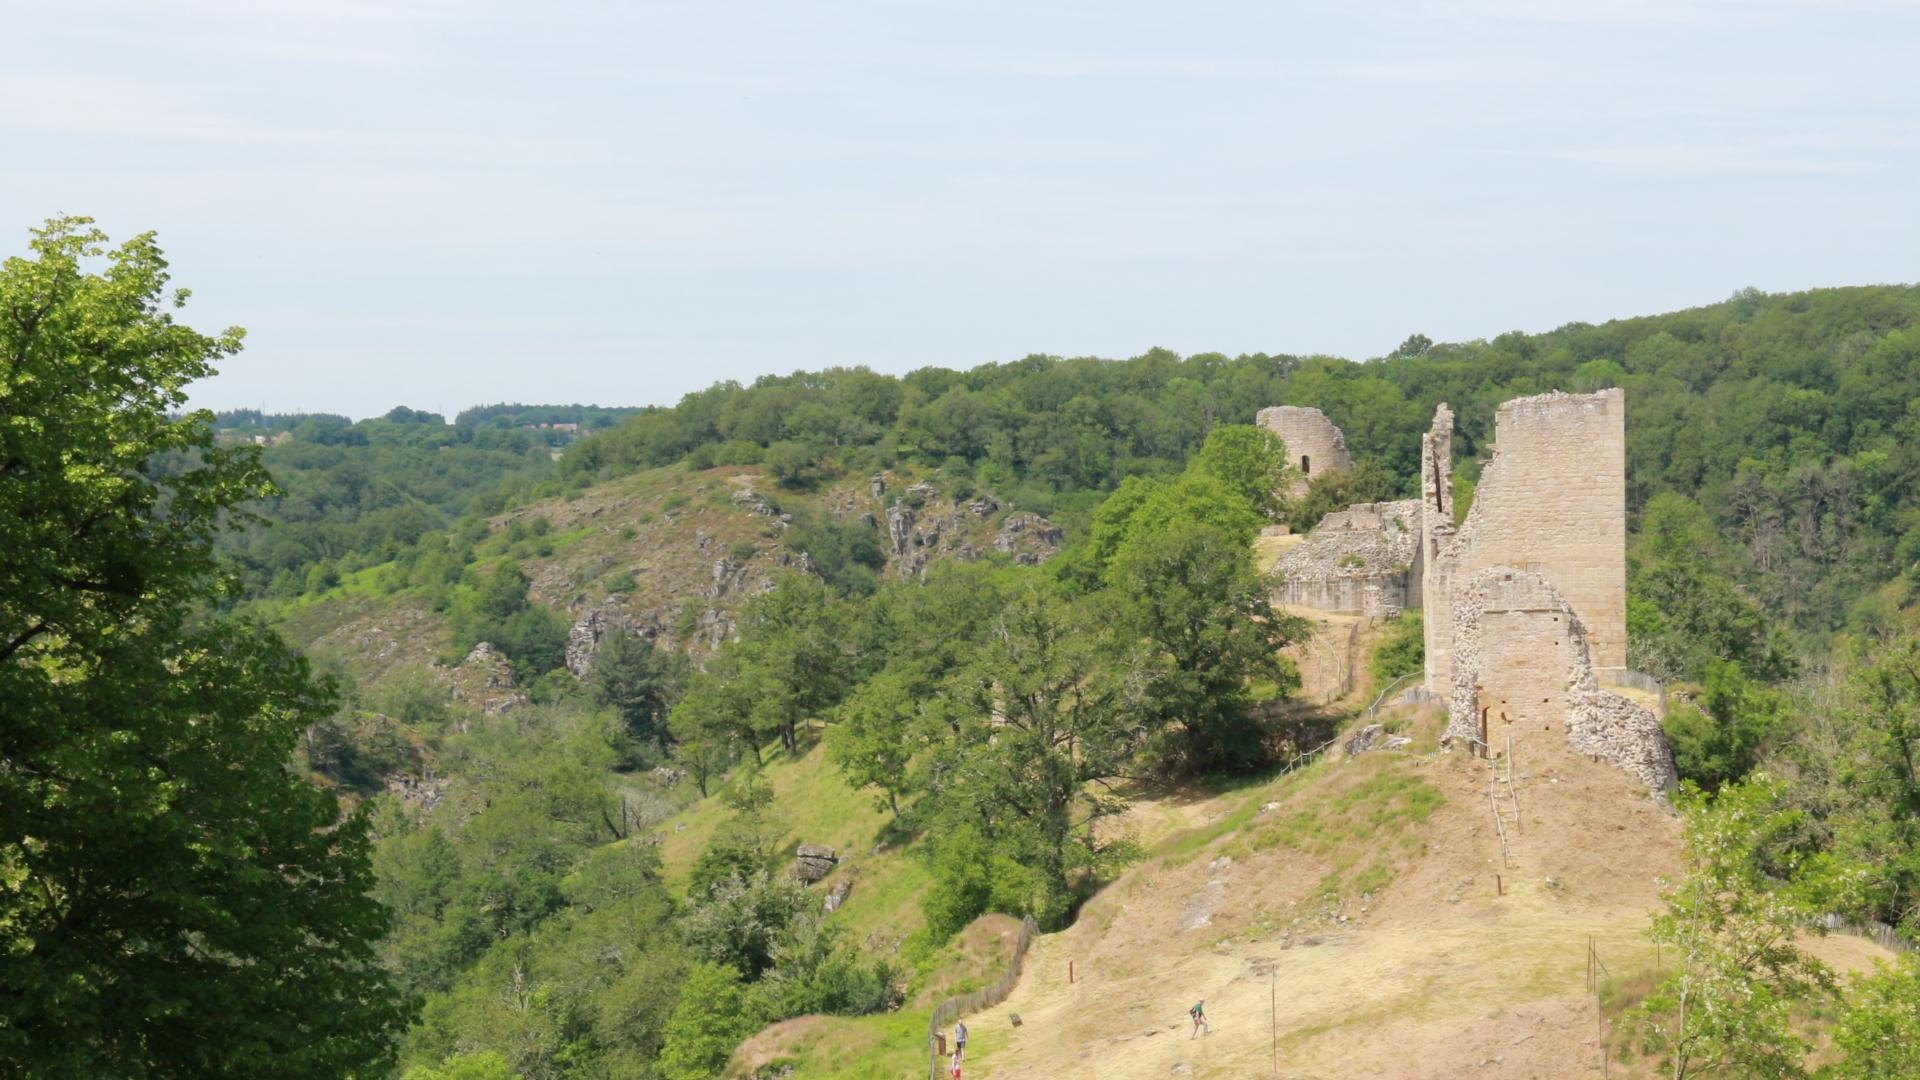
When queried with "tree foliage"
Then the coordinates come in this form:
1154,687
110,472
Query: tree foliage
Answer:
173,901
1733,926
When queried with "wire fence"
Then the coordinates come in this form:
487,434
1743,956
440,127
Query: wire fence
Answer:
1391,687
986,998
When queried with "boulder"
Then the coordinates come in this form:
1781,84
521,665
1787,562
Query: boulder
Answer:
1363,740
811,862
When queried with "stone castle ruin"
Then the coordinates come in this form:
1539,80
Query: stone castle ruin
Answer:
1363,560
1314,444
1525,601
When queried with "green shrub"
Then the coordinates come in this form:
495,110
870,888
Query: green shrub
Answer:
795,466
1402,651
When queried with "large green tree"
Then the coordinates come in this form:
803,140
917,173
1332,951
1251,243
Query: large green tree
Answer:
1038,724
173,901
1205,640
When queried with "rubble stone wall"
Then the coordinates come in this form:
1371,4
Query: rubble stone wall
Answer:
1314,444
1362,560
1521,656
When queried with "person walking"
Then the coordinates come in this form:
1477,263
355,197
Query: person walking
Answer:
956,1063
1199,1015
959,1040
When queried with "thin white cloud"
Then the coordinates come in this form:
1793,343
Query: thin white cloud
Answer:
1465,71
1697,159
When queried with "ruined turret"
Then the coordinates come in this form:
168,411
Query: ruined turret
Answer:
1314,445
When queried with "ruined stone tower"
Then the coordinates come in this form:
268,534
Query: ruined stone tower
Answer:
1526,601
1552,501
1314,444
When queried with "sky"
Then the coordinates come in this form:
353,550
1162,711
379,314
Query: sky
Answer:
445,204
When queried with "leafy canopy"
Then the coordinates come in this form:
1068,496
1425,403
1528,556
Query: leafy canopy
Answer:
173,901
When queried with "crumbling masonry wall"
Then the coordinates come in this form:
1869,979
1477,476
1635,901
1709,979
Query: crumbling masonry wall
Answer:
1314,444
1521,661
1363,560
1436,533
1551,501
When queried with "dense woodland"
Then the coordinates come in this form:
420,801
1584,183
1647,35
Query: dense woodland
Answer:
526,929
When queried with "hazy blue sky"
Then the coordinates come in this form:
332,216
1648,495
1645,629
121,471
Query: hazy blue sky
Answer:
443,204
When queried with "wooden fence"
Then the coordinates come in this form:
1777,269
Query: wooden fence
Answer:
955,1007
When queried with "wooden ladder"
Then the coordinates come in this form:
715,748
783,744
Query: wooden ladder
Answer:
1505,801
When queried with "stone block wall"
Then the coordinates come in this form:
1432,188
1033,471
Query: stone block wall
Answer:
1551,501
1314,444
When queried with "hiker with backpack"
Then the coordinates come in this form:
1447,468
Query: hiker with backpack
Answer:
1199,1015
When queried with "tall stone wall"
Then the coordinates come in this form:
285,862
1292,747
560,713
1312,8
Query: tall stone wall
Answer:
1521,662
1436,533
1551,501
1314,444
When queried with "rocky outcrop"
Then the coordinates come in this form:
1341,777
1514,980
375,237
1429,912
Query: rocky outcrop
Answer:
484,680
811,862
1363,740
899,528
752,502
583,640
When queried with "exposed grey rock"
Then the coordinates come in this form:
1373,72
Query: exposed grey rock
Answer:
752,503
877,485
900,527
811,862
588,631
838,894
983,505
1030,534
1363,740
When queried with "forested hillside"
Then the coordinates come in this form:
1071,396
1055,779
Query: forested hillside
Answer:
1772,481
1788,418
